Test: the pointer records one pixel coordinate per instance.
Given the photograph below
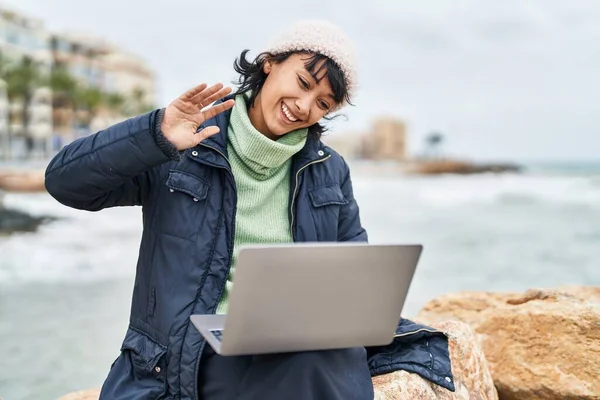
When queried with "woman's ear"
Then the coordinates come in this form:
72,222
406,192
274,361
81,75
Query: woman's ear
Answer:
267,67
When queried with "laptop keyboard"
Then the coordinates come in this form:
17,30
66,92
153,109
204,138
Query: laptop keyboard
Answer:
217,333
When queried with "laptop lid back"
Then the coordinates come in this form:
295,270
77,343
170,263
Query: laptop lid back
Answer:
317,296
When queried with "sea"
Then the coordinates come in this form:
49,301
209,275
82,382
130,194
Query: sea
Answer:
65,290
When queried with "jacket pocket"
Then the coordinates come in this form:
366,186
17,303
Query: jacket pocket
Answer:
187,183
326,202
148,363
327,195
182,204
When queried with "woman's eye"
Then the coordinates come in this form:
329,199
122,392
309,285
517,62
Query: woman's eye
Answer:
303,82
324,106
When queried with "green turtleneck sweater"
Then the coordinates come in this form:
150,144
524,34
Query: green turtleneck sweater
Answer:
261,168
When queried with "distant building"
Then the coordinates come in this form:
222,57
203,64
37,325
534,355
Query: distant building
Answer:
92,61
81,56
386,141
129,76
22,37
98,64
347,144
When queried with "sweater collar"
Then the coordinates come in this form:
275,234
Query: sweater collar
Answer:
257,152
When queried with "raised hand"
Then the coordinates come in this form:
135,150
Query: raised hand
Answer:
187,112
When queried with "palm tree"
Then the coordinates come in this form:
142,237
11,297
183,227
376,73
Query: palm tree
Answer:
6,140
139,104
63,87
89,101
64,98
22,79
71,100
115,102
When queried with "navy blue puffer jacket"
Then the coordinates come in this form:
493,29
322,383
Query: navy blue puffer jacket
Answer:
189,205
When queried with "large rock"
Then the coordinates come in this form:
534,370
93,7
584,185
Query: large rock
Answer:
12,220
472,378
541,344
445,166
83,395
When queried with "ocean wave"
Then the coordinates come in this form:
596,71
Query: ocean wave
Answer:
510,190
84,246
43,257
80,246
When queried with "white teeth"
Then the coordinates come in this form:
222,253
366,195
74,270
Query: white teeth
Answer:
287,113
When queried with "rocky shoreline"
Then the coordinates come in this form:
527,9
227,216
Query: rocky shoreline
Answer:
16,221
541,344
22,181
457,167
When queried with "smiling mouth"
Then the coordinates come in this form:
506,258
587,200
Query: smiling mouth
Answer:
287,113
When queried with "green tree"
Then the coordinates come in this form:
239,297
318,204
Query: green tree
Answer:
4,66
22,79
73,100
63,87
138,96
115,102
89,101
64,97
7,142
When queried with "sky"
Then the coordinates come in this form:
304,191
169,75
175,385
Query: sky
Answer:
514,80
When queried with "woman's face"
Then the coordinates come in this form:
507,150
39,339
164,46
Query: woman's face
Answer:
291,98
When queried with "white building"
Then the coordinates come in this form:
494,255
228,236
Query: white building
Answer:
21,37
99,64
91,60
81,55
127,75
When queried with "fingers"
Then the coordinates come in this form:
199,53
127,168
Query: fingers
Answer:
207,132
219,108
216,96
210,95
189,95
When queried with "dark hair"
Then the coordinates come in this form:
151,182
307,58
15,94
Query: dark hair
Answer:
252,78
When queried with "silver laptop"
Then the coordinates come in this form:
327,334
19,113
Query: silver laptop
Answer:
312,296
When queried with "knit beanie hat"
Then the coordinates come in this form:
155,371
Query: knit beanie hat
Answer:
322,37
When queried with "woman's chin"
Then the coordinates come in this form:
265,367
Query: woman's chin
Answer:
283,129
279,129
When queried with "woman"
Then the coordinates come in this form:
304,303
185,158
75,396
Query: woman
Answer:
248,169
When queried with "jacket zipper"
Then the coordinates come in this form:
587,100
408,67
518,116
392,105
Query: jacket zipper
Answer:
234,213
291,229
196,393
417,331
223,155
296,188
